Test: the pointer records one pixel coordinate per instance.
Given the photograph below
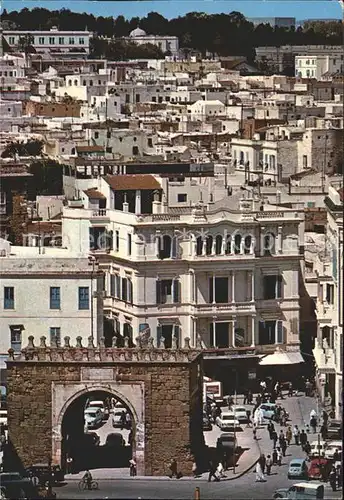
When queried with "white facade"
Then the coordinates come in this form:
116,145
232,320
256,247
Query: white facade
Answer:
316,66
203,109
39,296
52,40
199,273
164,43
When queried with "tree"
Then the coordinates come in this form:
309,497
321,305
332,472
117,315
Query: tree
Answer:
29,148
47,177
25,43
19,219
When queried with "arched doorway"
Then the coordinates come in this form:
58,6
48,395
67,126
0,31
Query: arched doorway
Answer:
109,442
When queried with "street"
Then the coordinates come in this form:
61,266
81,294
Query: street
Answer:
244,487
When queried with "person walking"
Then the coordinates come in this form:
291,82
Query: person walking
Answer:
333,479
259,473
132,465
268,465
303,439
274,456
123,419
296,434
274,438
69,465
307,448
284,447
263,462
245,397
313,424
212,471
288,435
290,389
279,457
249,397
173,468
323,432
270,428
336,456
281,437
254,431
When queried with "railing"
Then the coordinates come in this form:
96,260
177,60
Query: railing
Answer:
274,215
165,217
101,212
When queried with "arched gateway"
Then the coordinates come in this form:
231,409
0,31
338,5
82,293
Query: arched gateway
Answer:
162,388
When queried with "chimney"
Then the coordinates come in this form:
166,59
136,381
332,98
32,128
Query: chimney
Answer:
138,202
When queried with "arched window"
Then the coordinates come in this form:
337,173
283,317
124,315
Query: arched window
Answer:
75,82
209,245
228,244
70,83
241,158
237,243
218,244
84,83
199,245
269,244
165,247
247,244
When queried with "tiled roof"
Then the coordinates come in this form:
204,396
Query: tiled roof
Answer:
92,149
131,182
94,194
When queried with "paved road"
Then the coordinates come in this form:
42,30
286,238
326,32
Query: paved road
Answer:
241,488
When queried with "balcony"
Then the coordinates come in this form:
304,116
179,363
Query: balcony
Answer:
325,312
233,308
100,215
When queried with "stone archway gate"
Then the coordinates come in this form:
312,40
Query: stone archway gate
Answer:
161,387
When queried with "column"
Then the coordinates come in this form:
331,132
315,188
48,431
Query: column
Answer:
193,331
157,244
233,321
138,202
249,285
204,246
213,247
191,288
280,240
224,242
193,242
214,288
253,331
233,286
213,333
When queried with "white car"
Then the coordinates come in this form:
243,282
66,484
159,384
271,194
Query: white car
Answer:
317,448
331,447
117,415
227,420
93,417
97,404
3,417
268,410
240,413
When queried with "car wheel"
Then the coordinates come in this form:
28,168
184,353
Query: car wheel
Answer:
289,476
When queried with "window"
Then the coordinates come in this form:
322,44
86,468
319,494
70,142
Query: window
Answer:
182,198
247,244
55,298
268,332
71,40
16,337
127,290
55,335
115,286
41,40
199,245
81,41
96,135
84,297
168,291
116,241
269,244
137,98
209,244
237,243
150,142
218,244
220,287
109,149
329,293
9,297
135,150
61,40
129,243
304,161
52,40
167,248
11,40
272,287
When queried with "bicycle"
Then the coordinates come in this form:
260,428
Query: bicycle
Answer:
84,485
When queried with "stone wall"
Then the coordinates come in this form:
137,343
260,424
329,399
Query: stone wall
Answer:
172,386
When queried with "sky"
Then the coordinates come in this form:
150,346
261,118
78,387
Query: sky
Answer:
301,9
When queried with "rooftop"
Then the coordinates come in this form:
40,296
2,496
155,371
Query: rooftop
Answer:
132,182
94,194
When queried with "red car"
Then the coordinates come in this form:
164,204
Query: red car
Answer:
315,467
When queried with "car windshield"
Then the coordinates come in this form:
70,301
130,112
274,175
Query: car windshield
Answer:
90,413
228,417
295,464
240,409
118,413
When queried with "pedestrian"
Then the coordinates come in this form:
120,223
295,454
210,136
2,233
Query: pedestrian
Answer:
230,402
274,456
225,460
258,400
284,447
249,397
283,420
336,456
259,473
274,438
288,435
123,419
290,389
128,421
212,471
333,479
220,470
173,468
263,462
69,465
307,388
303,439
313,424
296,434
281,437
254,430
269,428
325,417
132,465
308,431
268,465
307,448
248,414
279,457
194,470
245,397
323,432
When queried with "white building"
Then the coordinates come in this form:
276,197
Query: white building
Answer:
164,43
316,66
223,274
61,42
48,292
204,109
328,350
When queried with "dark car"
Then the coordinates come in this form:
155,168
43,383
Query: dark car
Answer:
227,442
206,423
334,429
42,472
15,486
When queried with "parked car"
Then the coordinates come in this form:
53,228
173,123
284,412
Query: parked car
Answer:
117,416
335,429
268,410
317,448
15,486
115,440
240,413
3,418
314,470
301,491
227,420
206,423
98,404
331,447
298,469
227,442
93,417
42,472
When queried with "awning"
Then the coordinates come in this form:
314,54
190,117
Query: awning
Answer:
282,358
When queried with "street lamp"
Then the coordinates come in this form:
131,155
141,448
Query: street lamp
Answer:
92,261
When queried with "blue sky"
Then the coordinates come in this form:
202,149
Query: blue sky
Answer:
301,9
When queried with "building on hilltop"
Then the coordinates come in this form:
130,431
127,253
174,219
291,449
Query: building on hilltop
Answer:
278,22
167,43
